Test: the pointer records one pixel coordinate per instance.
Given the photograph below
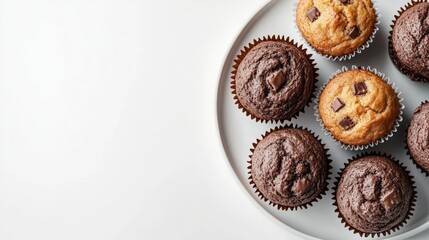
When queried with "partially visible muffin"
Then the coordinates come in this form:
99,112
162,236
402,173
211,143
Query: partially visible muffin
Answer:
274,80
290,168
409,42
336,27
358,107
374,195
418,137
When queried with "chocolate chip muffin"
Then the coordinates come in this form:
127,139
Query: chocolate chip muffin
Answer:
358,107
374,195
274,79
290,168
336,27
418,137
409,42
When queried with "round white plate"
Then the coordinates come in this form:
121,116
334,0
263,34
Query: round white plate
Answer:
238,132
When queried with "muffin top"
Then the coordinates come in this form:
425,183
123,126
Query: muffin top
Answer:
275,80
374,194
336,27
358,107
410,41
290,167
418,137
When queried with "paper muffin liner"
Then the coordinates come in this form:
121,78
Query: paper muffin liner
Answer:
346,56
399,119
281,207
412,75
412,200
239,58
408,150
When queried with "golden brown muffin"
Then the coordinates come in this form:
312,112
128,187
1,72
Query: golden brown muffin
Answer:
358,107
336,27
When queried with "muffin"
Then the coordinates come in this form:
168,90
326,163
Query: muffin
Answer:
337,27
374,195
409,41
418,137
289,168
358,107
273,79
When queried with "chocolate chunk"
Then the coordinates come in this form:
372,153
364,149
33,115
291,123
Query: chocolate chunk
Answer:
345,2
354,32
390,200
371,185
302,169
277,80
347,123
301,186
337,105
313,14
359,88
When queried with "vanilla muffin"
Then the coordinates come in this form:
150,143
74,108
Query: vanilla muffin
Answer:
336,27
358,107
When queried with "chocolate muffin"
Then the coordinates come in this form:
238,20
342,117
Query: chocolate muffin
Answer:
336,27
418,137
409,41
274,79
290,168
374,195
358,107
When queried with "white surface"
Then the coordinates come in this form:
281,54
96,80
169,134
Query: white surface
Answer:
107,126
238,131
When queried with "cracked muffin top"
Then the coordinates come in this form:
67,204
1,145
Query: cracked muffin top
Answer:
374,194
336,27
358,107
275,80
290,167
410,42
418,137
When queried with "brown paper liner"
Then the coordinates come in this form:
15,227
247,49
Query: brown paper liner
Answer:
424,171
243,54
394,228
281,207
412,75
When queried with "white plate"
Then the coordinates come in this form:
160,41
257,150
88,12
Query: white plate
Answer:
237,132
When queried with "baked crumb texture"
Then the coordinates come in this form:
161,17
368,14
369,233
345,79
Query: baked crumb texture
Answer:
336,27
374,195
358,107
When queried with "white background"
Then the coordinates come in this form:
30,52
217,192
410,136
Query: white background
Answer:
107,121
